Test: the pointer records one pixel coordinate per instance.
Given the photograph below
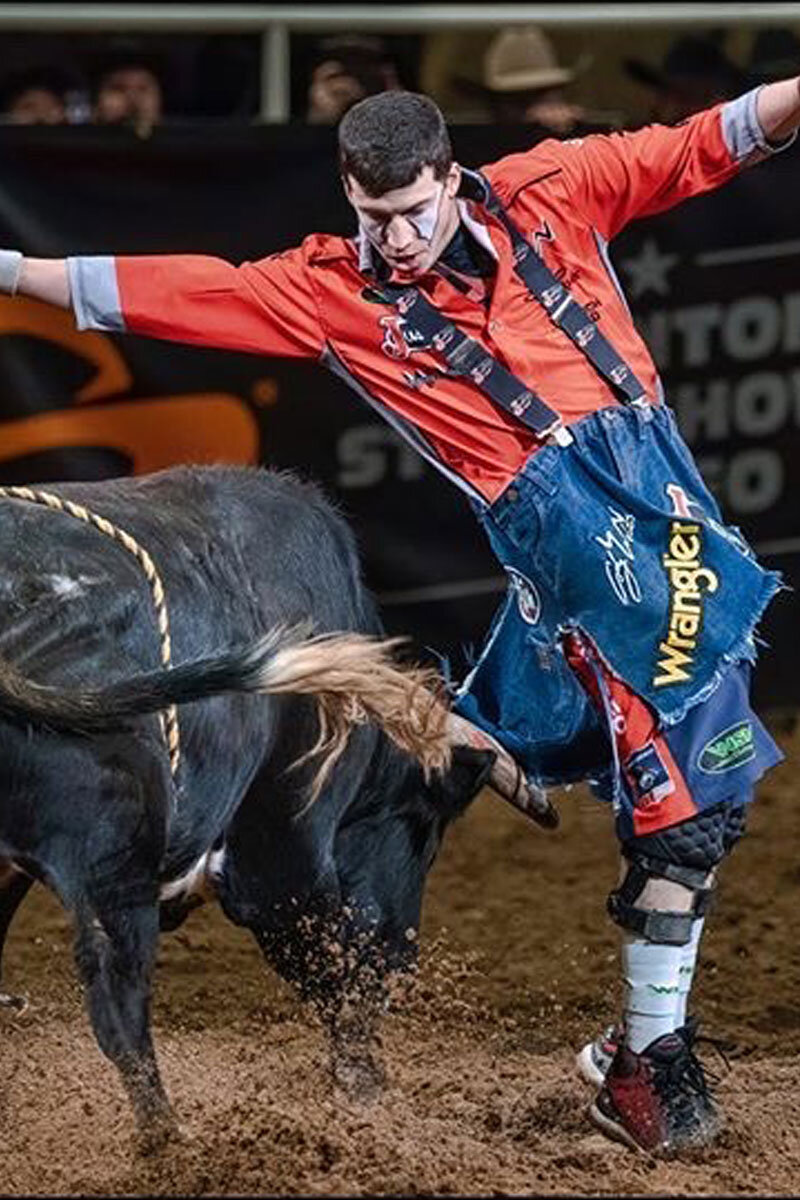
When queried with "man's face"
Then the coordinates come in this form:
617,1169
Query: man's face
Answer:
551,109
37,106
409,226
129,94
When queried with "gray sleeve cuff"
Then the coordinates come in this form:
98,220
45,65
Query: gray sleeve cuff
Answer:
10,268
94,293
743,133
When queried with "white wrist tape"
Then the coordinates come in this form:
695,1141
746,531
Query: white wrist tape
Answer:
10,269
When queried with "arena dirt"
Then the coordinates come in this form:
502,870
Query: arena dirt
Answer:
518,969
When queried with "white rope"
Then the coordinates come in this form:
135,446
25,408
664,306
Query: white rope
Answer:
168,718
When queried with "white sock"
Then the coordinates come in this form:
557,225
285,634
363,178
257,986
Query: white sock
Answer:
652,974
688,962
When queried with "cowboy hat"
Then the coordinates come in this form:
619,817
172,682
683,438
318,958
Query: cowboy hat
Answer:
522,59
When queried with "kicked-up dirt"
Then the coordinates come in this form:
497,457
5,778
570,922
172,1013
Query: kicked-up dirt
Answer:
518,970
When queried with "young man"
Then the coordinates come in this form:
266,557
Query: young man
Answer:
479,312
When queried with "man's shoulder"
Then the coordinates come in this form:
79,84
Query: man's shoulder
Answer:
544,161
316,250
321,249
318,254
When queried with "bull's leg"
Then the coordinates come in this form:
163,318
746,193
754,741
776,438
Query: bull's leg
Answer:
115,951
317,951
352,1025
352,1009
281,879
14,887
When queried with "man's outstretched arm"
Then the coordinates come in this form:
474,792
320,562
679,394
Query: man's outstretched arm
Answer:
267,307
613,179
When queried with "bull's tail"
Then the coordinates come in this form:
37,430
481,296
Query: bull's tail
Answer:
352,677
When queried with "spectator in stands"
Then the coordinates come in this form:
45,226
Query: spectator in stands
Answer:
695,74
35,96
522,82
129,90
347,68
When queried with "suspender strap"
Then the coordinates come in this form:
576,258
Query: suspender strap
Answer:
427,327
563,309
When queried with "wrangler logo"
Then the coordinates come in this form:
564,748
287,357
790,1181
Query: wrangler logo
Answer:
689,582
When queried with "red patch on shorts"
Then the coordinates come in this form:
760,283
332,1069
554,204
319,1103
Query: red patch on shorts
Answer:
634,728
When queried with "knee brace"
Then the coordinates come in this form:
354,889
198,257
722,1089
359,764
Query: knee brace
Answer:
670,864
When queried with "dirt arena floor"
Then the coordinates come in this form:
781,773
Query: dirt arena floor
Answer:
518,969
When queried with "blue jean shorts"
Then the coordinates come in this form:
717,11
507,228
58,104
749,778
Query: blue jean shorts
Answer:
615,546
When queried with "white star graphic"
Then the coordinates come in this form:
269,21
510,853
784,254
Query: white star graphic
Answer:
648,270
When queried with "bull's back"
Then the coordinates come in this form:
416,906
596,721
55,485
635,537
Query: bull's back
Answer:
238,550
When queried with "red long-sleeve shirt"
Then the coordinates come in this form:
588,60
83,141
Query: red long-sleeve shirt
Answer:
569,198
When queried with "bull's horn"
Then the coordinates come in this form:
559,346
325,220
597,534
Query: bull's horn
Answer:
506,778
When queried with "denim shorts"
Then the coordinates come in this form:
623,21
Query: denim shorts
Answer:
615,541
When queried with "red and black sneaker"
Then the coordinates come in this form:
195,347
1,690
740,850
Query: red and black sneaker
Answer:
659,1100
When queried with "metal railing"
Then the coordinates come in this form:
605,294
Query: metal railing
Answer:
274,22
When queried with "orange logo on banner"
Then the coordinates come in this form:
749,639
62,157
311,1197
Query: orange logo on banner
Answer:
152,433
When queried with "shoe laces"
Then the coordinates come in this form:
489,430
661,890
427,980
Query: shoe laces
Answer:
681,1077
722,1047
684,1074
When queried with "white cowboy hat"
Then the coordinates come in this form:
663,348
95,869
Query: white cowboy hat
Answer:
521,59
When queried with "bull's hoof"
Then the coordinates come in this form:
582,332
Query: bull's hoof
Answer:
358,1078
157,1135
17,1003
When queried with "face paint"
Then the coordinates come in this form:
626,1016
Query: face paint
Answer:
423,219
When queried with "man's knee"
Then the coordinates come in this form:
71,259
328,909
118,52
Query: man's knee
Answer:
669,875
701,842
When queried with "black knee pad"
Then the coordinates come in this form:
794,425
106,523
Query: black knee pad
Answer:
685,854
699,843
736,827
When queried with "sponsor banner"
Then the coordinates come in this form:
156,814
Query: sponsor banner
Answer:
713,285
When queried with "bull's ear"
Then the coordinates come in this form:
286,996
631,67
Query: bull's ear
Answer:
469,772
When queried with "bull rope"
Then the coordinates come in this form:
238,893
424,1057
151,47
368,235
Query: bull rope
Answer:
169,716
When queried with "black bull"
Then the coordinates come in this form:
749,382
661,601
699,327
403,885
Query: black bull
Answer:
332,891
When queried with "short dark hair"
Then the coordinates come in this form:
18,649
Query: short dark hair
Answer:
41,77
386,140
124,59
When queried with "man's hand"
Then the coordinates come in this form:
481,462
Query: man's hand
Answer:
778,109
42,278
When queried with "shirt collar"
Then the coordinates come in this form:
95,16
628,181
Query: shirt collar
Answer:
472,188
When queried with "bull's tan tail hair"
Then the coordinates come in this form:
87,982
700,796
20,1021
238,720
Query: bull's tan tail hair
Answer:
352,677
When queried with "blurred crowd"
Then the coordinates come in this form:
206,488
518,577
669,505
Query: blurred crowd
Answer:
516,75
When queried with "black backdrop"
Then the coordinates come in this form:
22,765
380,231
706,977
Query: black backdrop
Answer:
713,284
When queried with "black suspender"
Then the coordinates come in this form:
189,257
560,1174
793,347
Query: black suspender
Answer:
426,328
563,309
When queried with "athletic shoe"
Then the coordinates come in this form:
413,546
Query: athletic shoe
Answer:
658,1100
595,1058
